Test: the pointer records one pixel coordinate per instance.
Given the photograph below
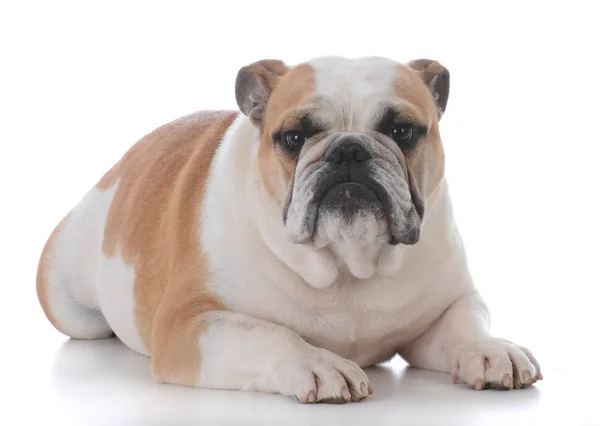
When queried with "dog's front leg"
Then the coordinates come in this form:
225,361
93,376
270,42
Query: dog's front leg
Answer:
226,350
459,342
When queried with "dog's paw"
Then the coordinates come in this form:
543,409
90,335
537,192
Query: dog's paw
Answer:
322,376
496,364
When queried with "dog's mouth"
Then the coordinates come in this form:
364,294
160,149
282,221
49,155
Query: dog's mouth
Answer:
348,193
352,197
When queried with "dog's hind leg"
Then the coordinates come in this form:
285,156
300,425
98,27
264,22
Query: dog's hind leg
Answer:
67,273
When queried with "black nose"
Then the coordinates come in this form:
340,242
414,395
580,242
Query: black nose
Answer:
348,152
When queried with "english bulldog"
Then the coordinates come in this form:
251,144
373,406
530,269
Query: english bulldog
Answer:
284,247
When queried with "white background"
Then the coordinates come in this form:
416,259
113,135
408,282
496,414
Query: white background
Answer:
81,81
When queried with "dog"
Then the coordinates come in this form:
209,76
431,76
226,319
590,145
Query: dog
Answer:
284,247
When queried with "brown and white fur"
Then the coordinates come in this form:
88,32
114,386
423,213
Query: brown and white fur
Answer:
206,248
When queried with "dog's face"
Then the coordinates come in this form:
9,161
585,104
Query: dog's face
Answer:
350,148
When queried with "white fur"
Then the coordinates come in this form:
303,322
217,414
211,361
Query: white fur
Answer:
290,367
73,270
115,290
92,295
254,230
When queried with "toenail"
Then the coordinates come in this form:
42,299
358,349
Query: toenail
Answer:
527,377
346,393
363,389
479,384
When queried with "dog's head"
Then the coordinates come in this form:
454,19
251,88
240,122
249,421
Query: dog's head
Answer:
350,148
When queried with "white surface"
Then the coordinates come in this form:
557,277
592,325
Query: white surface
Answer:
81,81
104,383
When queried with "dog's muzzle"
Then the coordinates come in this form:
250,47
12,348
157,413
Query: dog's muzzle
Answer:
350,186
354,179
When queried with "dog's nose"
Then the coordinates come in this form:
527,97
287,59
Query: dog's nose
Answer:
348,152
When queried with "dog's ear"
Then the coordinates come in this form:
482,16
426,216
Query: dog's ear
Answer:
254,84
437,78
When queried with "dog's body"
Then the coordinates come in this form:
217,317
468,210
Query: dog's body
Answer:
241,253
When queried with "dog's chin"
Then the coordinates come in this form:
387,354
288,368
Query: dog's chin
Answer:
351,223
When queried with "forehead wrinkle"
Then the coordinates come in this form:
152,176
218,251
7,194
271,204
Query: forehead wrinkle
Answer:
293,118
343,117
404,109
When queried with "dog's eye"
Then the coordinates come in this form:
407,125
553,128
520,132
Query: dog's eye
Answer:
404,135
294,140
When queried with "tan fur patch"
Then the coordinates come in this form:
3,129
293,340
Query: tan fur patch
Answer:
43,274
291,91
155,223
426,162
